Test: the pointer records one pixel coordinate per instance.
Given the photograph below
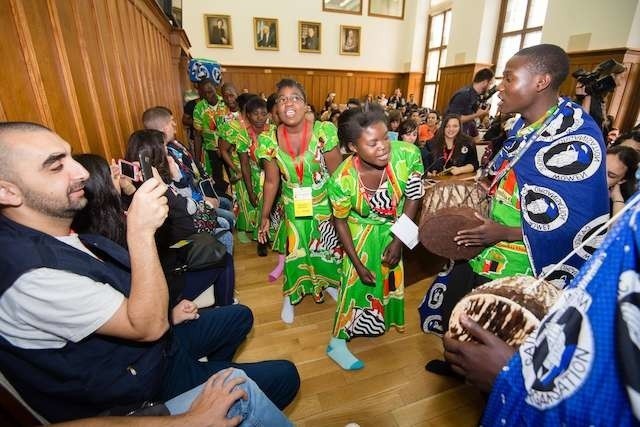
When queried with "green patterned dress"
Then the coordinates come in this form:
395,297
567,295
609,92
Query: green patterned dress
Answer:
366,310
206,119
236,134
313,253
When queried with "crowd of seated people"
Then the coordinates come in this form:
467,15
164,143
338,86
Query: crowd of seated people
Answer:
103,228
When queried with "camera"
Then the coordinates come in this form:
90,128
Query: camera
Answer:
483,99
600,81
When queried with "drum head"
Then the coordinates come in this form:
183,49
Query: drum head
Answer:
437,233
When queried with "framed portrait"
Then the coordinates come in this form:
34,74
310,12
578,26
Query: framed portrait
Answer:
309,36
343,6
387,8
265,34
349,40
217,29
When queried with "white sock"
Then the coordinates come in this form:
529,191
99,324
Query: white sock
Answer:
333,293
337,350
287,311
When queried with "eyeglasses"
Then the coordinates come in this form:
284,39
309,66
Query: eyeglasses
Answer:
295,99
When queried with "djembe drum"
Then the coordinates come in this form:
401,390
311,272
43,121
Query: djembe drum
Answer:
448,207
510,308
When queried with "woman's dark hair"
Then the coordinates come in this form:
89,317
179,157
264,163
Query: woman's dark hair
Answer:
149,142
242,100
103,214
406,127
291,83
438,143
352,123
634,135
255,103
630,158
271,102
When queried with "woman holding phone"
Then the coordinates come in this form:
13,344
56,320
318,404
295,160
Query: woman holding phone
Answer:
451,150
302,154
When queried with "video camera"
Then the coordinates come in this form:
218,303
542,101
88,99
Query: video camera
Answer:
599,81
483,99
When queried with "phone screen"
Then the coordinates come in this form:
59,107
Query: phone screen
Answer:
206,186
128,170
145,166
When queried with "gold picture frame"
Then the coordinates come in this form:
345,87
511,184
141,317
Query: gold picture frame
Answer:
266,34
309,37
217,31
350,40
341,6
387,8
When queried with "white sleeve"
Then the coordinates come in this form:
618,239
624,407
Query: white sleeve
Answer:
49,305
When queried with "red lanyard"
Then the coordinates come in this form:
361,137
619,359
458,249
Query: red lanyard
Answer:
299,163
447,158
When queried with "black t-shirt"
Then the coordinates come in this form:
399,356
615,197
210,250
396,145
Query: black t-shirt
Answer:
188,110
463,102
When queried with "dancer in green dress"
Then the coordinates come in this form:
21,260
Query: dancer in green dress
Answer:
304,153
369,191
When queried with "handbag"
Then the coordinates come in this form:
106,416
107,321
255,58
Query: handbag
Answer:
205,251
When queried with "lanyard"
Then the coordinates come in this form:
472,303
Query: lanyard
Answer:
447,158
299,163
507,165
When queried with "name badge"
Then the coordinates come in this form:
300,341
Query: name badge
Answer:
302,202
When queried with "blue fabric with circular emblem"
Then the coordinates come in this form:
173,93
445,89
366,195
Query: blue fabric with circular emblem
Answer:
563,188
580,366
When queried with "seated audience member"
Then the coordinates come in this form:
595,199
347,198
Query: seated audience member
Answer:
397,100
394,118
580,366
329,101
427,130
186,217
629,139
451,150
527,203
622,164
383,100
353,103
191,171
104,215
84,321
408,131
612,135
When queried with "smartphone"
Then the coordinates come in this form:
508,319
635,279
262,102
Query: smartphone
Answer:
128,169
145,166
206,188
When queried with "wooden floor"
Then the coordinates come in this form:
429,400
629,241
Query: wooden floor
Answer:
393,389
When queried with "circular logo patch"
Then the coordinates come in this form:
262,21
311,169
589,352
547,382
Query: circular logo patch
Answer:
572,158
567,121
436,295
557,358
542,208
587,233
629,332
561,276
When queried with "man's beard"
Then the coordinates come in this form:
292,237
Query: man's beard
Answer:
62,208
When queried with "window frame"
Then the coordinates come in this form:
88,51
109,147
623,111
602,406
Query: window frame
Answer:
428,50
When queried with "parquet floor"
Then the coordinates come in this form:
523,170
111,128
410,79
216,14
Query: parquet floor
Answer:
392,390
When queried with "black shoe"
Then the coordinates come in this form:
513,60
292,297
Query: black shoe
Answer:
441,367
262,249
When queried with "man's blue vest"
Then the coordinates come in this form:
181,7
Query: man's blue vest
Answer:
98,373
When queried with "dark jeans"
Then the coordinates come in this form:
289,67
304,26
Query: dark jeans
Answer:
223,279
217,165
217,334
462,280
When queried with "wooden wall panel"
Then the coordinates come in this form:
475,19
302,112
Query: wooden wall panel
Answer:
318,83
89,68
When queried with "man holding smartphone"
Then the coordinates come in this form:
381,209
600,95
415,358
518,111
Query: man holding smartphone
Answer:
84,321
192,172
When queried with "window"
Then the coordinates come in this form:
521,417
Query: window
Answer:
439,26
521,27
